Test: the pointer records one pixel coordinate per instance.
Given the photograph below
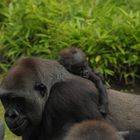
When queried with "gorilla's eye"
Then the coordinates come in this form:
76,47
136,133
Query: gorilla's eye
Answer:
41,88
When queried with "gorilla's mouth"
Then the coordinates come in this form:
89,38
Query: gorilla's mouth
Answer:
20,127
84,76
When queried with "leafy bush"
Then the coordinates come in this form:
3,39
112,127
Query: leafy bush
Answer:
108,31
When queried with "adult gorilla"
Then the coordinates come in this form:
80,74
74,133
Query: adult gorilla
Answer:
42,100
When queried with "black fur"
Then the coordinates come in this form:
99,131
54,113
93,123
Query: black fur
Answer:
74,60
68,99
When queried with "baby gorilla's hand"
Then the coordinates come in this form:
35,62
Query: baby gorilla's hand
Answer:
104,110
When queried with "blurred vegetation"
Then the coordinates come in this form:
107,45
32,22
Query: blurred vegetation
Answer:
107,30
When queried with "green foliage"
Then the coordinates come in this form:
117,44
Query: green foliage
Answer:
108,31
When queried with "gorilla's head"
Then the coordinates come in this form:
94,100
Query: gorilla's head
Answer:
23,94
74,60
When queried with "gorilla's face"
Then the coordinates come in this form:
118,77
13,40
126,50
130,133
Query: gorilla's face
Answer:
23,98
22,113
15,115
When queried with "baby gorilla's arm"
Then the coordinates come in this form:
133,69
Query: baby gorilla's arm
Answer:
103,96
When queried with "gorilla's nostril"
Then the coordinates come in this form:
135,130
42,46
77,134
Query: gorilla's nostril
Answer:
12,114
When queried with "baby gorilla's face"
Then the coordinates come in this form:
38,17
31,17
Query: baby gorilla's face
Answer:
80,69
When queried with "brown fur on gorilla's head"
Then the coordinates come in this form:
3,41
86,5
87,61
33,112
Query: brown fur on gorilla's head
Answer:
19,74
92,130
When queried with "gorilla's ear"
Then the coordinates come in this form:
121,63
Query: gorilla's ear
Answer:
41,88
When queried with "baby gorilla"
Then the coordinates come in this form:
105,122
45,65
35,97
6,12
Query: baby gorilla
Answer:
74,60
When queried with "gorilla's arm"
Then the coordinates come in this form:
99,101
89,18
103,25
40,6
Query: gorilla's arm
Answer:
124,110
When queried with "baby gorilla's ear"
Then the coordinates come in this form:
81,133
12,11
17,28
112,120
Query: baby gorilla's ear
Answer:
41,88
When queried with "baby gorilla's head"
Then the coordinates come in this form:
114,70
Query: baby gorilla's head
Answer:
74,60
